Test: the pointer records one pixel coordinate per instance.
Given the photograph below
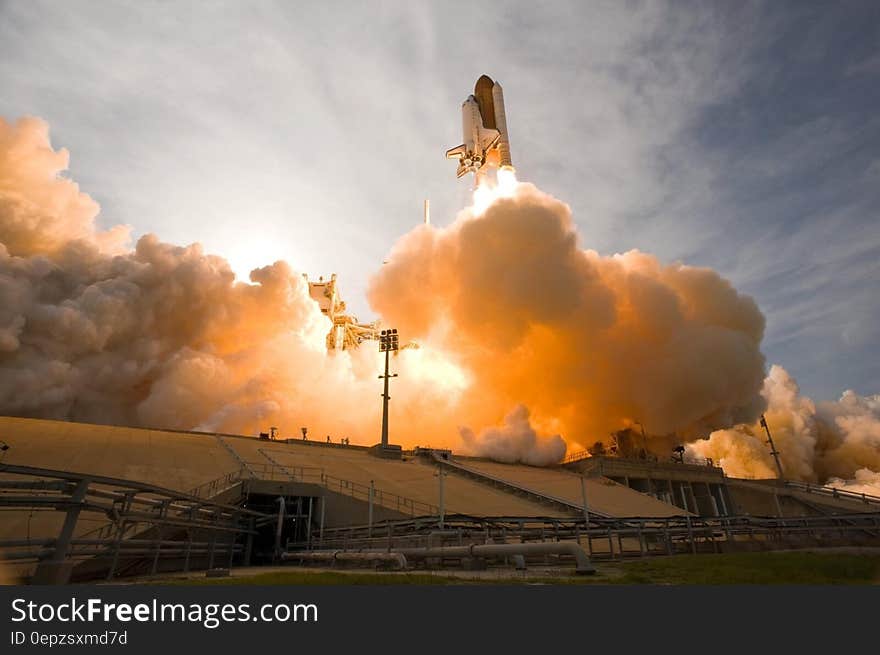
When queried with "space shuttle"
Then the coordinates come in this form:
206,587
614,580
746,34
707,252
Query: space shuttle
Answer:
484,128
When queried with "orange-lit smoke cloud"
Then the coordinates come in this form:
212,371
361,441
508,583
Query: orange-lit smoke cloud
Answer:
589,344
526,337
163,335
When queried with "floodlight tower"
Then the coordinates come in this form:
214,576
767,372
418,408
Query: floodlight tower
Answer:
388,343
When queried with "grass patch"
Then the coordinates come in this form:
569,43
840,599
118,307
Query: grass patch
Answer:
755,568
808,568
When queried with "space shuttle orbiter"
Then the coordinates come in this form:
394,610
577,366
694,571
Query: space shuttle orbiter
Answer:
484,126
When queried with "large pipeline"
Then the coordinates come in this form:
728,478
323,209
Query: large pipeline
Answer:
517,552
582,561
345,556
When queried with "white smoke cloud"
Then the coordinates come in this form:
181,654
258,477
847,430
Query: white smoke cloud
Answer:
828,442
515,441
865,481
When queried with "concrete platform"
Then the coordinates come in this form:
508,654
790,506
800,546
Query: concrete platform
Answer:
603,495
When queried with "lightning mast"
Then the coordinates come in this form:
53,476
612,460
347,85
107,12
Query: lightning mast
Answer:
773,450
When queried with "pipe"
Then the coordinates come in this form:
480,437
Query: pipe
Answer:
344,556
583,564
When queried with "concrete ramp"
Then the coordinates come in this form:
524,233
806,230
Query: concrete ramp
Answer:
184,460
769,498
411,477
604,496
176,460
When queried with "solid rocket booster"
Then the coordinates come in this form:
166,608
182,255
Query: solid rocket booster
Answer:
484,130
501,125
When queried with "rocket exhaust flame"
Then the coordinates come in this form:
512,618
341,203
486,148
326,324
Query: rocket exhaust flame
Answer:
489,190
526,337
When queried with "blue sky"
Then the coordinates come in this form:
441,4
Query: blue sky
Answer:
741,136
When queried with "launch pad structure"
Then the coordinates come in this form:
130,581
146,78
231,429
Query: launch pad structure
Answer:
346,332
91,502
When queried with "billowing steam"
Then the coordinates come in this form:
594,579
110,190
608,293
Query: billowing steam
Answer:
515,441
836,443
589,344
519,326
163,335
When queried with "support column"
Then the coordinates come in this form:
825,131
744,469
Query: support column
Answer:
720,489
120,532
693,498
56,569
321,534
249,543
211,547
278,528
309,525
684,498
232,536
691,535
712,499
442,499
162,512
370,509
584,499
189,541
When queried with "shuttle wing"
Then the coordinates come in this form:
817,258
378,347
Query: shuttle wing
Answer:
458,151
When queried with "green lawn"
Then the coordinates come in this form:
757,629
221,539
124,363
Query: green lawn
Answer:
731,568
755,568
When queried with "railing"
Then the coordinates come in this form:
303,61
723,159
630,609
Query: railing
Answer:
209,489
218,485
386,499
138,520
242,464
577,456
582,455
615,538
834,492
536,496
285,472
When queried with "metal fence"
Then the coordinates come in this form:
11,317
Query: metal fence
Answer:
581,455
834,492
605,538
274,470
137,523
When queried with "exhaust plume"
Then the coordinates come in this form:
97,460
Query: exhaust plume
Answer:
589,344
523,333
515,441
163,335
835,443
